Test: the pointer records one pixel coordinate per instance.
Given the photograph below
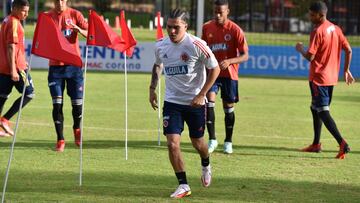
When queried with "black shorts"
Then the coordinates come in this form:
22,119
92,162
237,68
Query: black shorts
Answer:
229,89
69,76
320,97
6,85
174,116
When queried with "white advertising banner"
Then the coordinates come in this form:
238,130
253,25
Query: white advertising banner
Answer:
105,59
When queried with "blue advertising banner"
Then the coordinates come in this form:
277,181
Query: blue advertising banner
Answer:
285,61
263,60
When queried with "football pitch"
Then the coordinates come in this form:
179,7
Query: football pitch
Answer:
273,121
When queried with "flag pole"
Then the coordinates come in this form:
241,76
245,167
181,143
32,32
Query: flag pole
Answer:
159,110
159,35
82,119
15,132
126,108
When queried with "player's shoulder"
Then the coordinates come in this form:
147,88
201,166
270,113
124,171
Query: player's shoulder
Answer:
10,21
210,27
208,24
234,27
50,12
199,45
162,42
195,41
325,27
337,28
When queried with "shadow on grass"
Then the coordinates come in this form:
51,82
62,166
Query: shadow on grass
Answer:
351,98
139,186
144,144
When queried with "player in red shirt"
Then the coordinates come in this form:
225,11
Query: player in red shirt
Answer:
326,43
227,41
13,66
70,22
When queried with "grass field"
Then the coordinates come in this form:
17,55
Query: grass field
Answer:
273,122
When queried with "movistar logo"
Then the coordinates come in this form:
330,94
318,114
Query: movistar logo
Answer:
219,47
177,70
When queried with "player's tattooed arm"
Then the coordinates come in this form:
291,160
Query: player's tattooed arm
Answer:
155,76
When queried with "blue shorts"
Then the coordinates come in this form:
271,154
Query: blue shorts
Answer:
72,76
229,89
6,85
320,97
174,116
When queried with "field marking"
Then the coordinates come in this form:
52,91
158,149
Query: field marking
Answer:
95,109
303,119
185,133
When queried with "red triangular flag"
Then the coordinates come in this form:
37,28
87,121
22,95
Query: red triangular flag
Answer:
48,42
101,34
159,31
127,35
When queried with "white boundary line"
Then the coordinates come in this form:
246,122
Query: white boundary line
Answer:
307,138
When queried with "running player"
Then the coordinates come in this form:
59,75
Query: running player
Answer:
185,59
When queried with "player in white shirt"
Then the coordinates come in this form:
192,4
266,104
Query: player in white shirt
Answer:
184,59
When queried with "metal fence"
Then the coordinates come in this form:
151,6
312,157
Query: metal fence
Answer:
289,16
280,16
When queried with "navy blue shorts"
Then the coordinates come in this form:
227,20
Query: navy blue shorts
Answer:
320,96
229,89
6,85
174,116
72,76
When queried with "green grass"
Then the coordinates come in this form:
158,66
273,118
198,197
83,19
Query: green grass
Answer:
273,122
145,35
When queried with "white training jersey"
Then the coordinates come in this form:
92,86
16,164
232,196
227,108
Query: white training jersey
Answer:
184,67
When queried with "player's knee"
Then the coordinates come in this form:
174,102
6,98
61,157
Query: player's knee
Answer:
199,144
76,102
29,97
324,114
313,108
2,100
196,145
323,109
173,146
4,96
210,115
229,110
57,108
210,104
57,100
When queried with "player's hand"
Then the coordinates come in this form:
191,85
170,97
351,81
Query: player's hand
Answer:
15,76
224,64
153,99
198,101
299,47
75,27
349,79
